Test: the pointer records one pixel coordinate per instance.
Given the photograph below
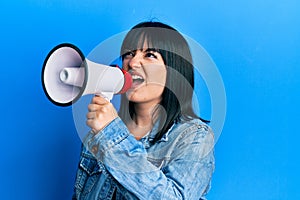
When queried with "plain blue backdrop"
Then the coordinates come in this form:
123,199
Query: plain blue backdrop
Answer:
255,45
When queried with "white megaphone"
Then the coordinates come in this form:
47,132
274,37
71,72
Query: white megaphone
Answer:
67,75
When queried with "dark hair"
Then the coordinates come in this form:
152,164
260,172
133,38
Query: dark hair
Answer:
178,92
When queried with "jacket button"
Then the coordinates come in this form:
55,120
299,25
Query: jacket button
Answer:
94,149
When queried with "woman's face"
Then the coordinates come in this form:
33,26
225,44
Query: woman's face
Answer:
148,72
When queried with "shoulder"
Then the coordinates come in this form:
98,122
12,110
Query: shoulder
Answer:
192,131
192,126
193,137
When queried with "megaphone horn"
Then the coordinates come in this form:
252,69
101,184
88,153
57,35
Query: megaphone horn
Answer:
67,75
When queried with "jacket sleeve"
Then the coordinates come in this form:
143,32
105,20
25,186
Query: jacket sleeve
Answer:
186,176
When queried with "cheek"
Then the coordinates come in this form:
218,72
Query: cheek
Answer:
145,93
156,90
157,77
125,64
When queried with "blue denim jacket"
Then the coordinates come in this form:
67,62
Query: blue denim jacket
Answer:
114,165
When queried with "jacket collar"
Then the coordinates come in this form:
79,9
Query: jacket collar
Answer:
149,137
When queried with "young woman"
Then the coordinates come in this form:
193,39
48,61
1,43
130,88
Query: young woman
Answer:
156,147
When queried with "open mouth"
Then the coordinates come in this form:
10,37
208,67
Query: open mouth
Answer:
137,80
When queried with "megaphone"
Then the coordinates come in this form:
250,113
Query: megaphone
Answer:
67,75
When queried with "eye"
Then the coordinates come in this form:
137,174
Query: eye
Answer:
150,55
128,55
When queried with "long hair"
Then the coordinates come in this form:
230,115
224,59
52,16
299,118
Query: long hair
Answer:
178,92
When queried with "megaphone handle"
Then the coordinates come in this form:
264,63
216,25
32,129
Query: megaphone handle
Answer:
106,95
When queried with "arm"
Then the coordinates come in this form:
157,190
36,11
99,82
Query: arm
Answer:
186,176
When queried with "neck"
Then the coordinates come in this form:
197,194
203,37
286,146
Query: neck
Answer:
143,119
143,114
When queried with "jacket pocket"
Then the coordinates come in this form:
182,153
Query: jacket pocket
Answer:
87,174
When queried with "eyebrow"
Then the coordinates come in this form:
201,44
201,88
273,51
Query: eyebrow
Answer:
147,50
152,49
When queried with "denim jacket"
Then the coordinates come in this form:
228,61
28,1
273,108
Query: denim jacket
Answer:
114,165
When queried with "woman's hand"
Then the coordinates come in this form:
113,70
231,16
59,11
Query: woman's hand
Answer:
101,113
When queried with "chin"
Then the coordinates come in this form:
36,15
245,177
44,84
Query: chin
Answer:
131,96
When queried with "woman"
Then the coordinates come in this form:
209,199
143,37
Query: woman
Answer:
156,147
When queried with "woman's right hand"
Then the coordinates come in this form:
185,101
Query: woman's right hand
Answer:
101,113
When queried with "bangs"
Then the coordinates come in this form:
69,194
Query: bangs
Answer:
162,39
147,37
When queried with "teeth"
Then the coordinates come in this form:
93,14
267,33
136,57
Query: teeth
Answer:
137,77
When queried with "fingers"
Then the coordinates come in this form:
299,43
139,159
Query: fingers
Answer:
90,115
100,113
99,100
93,107
98,108
95,125
96,112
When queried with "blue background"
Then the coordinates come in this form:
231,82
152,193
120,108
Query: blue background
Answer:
255,45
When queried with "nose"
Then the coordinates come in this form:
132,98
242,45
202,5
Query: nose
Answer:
135,61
